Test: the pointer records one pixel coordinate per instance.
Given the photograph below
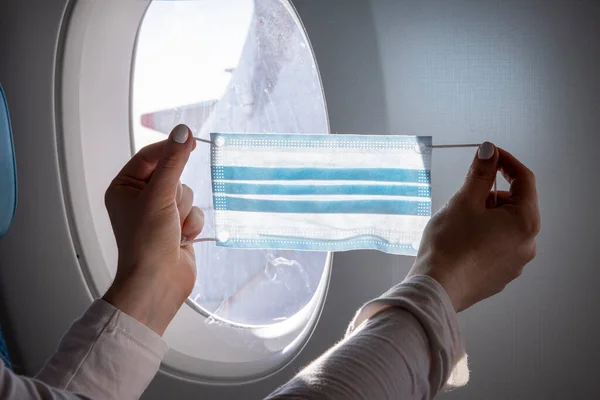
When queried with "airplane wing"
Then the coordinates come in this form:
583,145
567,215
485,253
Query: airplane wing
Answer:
192,115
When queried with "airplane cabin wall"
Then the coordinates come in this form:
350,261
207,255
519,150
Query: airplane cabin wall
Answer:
524,75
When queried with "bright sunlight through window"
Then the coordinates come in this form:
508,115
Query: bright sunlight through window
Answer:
231,66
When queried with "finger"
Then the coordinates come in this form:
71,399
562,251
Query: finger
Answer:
193,225
143,163
497,200
176,153
179,193
520,178
482,175
185,203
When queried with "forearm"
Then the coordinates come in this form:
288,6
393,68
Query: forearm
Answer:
403,345
106,354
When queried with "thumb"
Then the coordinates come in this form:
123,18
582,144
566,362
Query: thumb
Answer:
482,174
176,152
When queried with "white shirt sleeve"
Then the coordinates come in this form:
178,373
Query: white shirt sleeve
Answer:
106,354
405,345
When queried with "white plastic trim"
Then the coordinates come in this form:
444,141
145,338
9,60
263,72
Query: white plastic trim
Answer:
95,142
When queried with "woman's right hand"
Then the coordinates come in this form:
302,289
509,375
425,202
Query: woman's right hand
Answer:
150,212
474,248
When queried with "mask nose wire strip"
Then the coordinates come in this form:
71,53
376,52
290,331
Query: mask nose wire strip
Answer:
185,242
439,146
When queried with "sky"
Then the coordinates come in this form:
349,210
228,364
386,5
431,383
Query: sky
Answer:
184,49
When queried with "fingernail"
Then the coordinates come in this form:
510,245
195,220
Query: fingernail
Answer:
181,133
486,151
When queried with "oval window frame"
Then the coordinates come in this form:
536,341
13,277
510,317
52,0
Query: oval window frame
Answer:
88,89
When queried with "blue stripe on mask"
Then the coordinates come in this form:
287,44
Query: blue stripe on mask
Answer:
394,207
321,174
290,190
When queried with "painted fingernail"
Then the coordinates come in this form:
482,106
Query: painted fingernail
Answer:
181,133
486,151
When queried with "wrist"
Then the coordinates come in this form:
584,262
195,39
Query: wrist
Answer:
445,277
149,301
451,287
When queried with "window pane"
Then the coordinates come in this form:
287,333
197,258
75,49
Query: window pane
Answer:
231,66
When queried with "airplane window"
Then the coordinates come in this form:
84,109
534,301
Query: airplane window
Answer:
231,66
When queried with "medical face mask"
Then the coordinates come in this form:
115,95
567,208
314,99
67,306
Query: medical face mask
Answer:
321,192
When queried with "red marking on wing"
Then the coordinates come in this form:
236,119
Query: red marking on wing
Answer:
148,121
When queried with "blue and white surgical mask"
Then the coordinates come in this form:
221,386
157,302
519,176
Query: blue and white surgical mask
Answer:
321,192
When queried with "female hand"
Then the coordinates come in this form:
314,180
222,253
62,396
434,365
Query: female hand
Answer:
150,212
474,248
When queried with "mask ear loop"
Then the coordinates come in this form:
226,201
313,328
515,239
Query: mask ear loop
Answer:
184,240
455,146
496,190
203,140
452,146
